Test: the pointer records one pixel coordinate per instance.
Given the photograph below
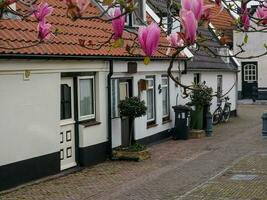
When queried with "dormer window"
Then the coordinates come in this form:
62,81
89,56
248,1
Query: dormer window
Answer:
137,17
224,52
9,15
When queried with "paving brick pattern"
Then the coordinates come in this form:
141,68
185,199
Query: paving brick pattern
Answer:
175,167
225,188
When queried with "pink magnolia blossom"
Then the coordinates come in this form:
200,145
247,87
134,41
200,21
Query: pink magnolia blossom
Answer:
118,23
175,41
190,26
196,6
42,11
43,30
149,38
245,16
261,14
245,20
218,2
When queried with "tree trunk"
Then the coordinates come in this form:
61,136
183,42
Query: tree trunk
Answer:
131,131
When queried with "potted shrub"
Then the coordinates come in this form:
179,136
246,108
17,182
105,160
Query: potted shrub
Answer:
200,98
132,108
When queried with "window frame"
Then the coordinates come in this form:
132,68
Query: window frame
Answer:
117,96
63,102
130,18
90,116
153,120
249,76
197,78
219,77
167,116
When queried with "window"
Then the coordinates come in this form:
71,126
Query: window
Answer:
219,86
250,72
196,78
114,98
65,110
86,97
137,17
224,51
165,97
150,100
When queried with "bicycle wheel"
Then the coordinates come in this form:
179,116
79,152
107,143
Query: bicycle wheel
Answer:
216,118
226,113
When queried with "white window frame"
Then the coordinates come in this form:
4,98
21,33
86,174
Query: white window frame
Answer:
154,101
91,116
168,97
115,112
133,20
250,68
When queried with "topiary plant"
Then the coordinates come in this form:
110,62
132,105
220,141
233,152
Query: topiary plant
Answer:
201,96
132,108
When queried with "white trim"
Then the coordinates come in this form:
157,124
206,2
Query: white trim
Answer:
187,53
154,101
91,116
213,30
168,95
152,14
234,59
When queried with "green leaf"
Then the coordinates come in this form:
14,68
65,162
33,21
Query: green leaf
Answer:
146,60
265,45
107,2
118,43
246,39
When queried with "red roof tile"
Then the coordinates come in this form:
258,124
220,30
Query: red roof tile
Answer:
17,33
223,22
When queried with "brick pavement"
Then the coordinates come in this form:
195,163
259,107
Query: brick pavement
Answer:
175,168
246,180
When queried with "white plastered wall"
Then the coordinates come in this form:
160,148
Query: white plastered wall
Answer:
30,109
156,69
229,80
254,47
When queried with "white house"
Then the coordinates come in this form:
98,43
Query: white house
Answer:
253,71
220,73
59,99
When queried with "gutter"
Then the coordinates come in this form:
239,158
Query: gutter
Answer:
109,110
77,57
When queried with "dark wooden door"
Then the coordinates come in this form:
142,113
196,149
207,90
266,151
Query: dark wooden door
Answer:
125,91
249,78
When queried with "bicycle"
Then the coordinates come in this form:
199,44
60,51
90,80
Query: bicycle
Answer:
222,115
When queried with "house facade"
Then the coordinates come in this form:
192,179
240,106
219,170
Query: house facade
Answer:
59,99
252,72
219,73
59,105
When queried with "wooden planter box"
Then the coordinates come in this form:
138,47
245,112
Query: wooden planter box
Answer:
197,134
131,155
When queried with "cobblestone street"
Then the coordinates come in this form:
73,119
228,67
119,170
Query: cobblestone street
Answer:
175,168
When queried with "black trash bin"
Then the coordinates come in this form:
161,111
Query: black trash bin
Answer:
182,122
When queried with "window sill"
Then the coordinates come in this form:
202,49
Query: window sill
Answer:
89,123
151,126
166,121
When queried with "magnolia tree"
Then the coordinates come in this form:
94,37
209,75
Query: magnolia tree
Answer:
191,15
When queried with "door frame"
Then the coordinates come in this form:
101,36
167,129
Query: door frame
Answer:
243,64
129,82
62,122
